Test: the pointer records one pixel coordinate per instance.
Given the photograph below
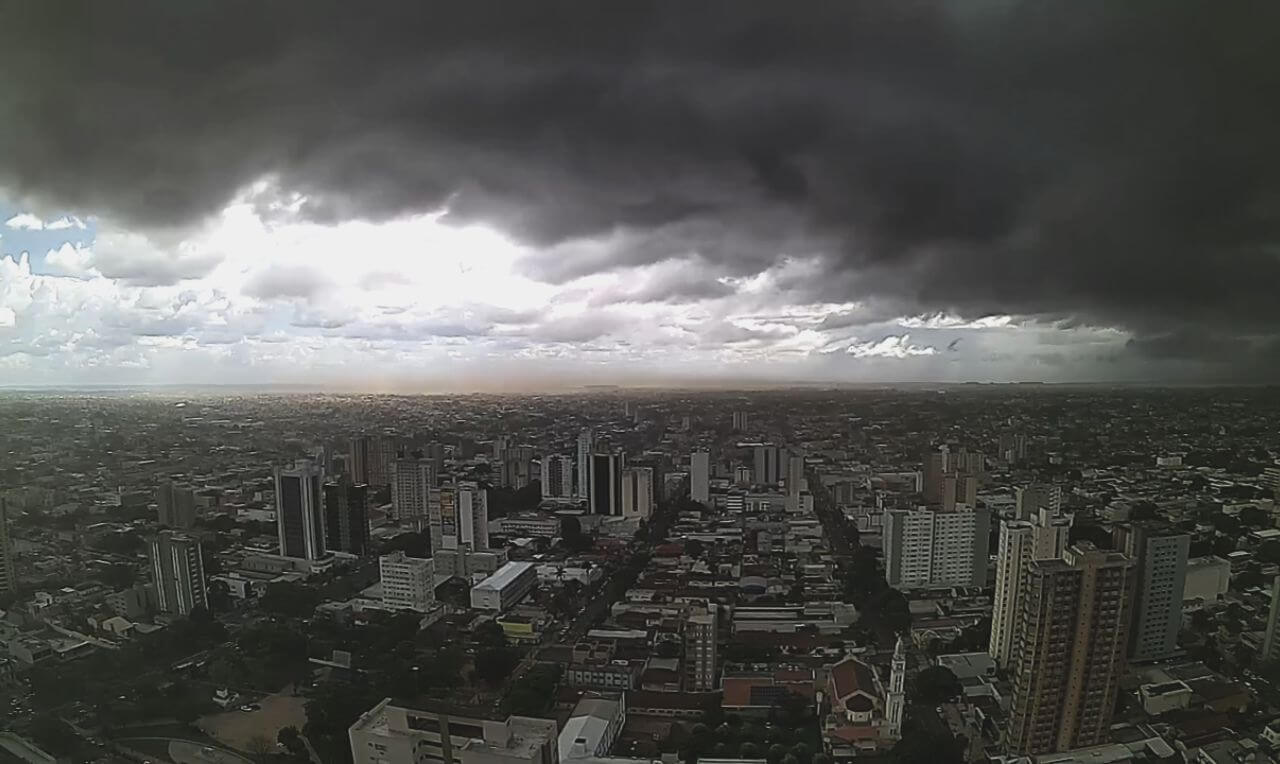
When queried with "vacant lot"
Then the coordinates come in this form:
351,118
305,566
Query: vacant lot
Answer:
237,728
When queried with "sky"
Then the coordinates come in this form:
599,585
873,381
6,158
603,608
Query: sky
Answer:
508,196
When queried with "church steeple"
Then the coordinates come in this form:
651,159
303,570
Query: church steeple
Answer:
896,701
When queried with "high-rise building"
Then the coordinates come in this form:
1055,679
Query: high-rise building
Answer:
1271,640
606,483
741,421
408,583
460,517
386,449
1021,541
700,650
411,484
936,466
299,511
927,548
360,457
700,477
1069,654
176,505
346,517
1160,554
1012,446
177,572
768,467
959,488
1036,496
557,477
8,570
795,474
637,492
586,447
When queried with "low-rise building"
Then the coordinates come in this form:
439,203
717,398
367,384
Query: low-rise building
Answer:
504,588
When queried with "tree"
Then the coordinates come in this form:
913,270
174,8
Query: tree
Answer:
1200,620
775,753
668,648
1269,552
290,599
291,739
749,750
495,664
936,685
694,547
928,747
117,577
490,634
572,535
1254,517
219,596
260,746
1142,510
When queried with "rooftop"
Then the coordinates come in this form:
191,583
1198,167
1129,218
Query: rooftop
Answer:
505,575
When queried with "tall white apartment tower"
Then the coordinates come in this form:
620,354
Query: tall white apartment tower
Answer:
177,571
411,484
927,548
700,477
586,445
637,492
460,517
557,477
1044,537
700,651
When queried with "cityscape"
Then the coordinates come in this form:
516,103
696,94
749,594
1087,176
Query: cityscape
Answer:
636,382
967,573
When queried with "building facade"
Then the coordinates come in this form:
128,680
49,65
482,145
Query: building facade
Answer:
176,506
460,517
299,512
504,588
346,517
393,734
605,484
637,492
177,572
408,583
700,650
586,447
8,570
767,469
1160,554
557,477
411,484
929,548
1021,541
700,477
1032,498
1070,651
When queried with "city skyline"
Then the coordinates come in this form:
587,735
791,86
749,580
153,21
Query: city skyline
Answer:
501,199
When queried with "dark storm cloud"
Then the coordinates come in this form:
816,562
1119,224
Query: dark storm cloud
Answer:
1100,162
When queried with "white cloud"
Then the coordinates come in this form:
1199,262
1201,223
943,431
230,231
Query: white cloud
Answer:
892,346
944,321
25,221
65,222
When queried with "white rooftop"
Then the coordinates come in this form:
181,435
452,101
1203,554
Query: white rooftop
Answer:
504,575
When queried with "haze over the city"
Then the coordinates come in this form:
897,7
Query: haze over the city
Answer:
527,196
